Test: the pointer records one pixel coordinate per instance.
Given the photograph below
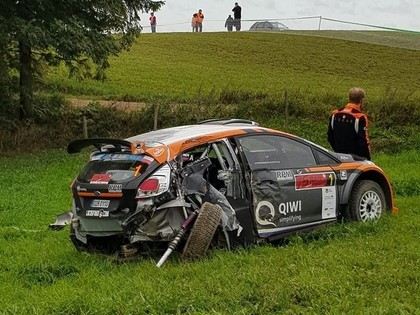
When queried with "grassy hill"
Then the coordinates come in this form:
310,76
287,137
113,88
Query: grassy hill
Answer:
182,65
252,71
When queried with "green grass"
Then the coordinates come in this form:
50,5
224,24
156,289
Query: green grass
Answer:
407,40
342,269
183,65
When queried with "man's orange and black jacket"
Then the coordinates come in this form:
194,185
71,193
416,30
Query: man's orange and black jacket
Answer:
347,131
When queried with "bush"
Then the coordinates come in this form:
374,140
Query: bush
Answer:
393,109
56,122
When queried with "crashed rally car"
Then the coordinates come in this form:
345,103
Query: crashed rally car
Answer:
216,183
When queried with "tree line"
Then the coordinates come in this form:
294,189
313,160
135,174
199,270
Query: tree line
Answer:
82,34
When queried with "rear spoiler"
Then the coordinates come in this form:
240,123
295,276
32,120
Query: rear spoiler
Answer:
76,146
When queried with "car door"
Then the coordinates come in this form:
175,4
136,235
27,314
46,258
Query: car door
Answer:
289,191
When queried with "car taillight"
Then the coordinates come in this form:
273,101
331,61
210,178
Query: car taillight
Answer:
156,184
150,185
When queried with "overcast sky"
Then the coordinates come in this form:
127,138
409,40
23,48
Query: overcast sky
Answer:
175,15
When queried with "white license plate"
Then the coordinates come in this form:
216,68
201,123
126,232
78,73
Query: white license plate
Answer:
97,213
100,203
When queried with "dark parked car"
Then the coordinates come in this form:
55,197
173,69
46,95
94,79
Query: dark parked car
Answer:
219,182
268,26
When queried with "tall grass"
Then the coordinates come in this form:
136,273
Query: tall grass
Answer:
342,269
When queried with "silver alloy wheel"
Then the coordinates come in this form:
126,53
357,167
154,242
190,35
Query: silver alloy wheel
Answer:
370,206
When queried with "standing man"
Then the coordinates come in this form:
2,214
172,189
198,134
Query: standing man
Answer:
152,20
200,18
237,15
229,23
348,127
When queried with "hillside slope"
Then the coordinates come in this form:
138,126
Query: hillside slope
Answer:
182,65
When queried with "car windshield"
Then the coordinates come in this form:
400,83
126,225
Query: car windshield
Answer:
104,168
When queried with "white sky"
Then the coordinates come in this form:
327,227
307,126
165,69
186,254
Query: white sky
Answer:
175,15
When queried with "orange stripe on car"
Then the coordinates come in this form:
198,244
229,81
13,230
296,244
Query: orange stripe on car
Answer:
101,195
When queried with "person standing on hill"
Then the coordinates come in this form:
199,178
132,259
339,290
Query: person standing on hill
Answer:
229,23
200,18
348,127
194,22
152,20
237,15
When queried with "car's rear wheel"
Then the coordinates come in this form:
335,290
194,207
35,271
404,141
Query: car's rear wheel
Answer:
202,232
367,201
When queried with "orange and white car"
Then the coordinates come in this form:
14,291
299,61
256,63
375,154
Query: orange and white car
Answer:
227,182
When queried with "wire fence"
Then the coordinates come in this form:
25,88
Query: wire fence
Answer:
296,23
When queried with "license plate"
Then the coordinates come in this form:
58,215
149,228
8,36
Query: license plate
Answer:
100,203
97,213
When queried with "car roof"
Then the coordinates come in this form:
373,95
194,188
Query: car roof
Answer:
165,144
268,25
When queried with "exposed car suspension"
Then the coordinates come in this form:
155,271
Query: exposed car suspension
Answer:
186,225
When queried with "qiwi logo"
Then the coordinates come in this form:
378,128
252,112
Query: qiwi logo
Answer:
266,212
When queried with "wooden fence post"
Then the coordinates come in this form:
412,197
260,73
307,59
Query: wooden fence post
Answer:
155,118
85,129
286,111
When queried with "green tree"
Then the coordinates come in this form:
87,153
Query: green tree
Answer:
76,32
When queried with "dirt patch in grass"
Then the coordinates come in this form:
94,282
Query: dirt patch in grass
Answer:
129,106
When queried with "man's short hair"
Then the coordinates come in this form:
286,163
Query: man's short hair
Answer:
356,95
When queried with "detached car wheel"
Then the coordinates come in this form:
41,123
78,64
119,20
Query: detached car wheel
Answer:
202,232
367,201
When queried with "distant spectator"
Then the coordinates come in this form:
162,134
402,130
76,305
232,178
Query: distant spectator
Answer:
200,18
152,20
194,23
229,23
237,15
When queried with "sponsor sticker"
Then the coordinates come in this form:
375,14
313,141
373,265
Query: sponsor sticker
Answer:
100,203
97,213
266,213
78,188
115,188
343,175
147,159
159,151
344,157
314,180
329,202
284,175
100,178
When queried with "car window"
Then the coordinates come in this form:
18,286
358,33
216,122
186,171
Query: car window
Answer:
114,168
323,158
275,152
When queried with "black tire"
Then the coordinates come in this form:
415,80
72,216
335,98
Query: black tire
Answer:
202,232
367,201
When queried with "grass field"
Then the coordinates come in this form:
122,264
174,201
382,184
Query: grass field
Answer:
341,269
183,65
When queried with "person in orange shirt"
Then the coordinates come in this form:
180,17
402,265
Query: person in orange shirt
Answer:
194,22
200,19
348,127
